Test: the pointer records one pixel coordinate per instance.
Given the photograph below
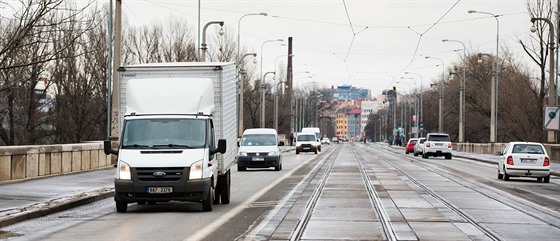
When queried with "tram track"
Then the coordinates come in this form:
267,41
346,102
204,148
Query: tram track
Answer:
519,204
387,228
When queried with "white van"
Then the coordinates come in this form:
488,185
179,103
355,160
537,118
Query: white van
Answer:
306,142
317,132
259,148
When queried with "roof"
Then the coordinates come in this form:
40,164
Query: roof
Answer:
260,131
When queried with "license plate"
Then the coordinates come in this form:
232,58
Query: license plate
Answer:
258,158
529,161
159,190
306,148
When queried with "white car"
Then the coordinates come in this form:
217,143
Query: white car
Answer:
437,144
419,146
325,140
524,159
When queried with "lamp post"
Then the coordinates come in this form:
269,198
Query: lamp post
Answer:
203,45
440,125
241,84
493,93
419,119
461,93
262,46
241,94
276,93
416,108
263,90
496,62
408,93
552,100
298,117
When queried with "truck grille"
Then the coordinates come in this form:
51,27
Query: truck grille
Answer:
160,174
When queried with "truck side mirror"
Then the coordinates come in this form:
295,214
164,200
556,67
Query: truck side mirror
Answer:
108,149
221,146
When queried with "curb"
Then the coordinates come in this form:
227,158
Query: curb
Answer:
77,200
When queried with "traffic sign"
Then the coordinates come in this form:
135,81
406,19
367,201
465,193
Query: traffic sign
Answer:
551,118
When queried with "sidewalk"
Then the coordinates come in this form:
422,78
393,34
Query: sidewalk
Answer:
23,200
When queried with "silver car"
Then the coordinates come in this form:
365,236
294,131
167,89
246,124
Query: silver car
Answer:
418,148
524,159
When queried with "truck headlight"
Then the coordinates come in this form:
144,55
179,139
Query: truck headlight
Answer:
124,171
196,170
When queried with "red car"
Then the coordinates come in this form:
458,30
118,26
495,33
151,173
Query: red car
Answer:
410,145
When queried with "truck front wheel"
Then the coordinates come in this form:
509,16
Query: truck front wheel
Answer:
208,202
121,206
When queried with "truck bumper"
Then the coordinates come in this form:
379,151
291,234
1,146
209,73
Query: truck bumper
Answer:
194,190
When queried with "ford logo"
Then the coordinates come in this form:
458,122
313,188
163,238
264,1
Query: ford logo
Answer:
159,174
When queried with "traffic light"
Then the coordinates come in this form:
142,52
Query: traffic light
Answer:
394,88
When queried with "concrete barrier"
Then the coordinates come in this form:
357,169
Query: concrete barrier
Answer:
553,150
23,162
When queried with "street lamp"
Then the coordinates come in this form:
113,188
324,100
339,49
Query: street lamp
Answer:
440,125
276,93
304,77
262,46
416,106
461,93
493,93
496,61
241,84
551,86
406,102
203,45
263,90
419,120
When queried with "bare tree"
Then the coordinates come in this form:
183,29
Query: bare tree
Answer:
538,48
26,48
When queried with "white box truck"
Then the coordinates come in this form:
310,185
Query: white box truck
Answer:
178,136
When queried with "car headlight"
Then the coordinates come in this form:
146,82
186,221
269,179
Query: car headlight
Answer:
196,170
273,153
124,171
242,153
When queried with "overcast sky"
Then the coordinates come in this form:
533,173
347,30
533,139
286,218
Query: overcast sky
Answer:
363,43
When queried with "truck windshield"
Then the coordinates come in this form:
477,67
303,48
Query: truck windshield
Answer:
164,133
259,140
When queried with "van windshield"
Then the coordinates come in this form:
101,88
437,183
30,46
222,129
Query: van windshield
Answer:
164,133
258,140
306,138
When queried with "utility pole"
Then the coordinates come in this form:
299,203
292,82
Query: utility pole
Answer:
115,105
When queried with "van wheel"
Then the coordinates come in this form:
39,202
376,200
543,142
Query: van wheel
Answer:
315,151
547,179
278,167
121,206
207,204
297,152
